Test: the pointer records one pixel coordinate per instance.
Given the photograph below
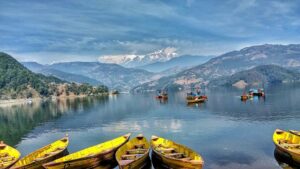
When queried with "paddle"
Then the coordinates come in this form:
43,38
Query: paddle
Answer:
295,132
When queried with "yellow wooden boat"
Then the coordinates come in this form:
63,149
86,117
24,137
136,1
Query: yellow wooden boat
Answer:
196,100
8,156
174,155
90,157
50,152
288,143
134,154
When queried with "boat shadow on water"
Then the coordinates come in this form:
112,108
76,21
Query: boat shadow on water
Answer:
157,164
285,160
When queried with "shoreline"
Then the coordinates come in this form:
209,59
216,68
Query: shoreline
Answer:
15,102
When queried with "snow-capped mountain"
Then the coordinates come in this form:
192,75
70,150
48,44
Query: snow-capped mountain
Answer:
162,55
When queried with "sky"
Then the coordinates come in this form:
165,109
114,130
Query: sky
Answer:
64,30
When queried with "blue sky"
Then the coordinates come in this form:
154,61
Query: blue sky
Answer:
52,31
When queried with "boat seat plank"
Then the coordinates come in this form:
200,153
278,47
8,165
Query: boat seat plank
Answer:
186,159
4,154
175,155
125,162
283,141
6,159
136,151
166,150
131,156
139,145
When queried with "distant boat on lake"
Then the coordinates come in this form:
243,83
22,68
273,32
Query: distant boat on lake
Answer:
257,92
162,94
196,97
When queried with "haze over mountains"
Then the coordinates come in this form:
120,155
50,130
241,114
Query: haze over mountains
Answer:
157,61
48,71
229,63
129,72
176,72
111,75
181,62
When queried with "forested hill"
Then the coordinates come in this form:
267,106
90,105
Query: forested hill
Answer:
16,81
15,78
260,75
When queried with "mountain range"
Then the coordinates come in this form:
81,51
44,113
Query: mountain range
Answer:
132,60
70,77
287,56
112,75
180,62
175,72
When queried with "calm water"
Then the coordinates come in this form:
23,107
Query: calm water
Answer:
228,133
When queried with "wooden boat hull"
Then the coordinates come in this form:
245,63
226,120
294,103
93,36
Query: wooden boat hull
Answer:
162,97
244,97
196,101
51,152
287,143
85,163
91,157
165,160
204,97
142,161
8,156
171,164
39,164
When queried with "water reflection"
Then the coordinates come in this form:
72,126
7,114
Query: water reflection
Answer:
285,161
280,102
196,105
162,101
17,121
228,133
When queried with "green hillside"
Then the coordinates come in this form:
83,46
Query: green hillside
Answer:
265,74
16,81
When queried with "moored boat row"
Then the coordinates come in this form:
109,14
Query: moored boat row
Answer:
89,157
131,154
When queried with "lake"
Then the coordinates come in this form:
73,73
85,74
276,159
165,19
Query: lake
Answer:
227,132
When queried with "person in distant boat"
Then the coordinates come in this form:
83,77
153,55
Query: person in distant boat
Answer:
198,92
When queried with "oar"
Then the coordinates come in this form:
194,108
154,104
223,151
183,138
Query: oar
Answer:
295,132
